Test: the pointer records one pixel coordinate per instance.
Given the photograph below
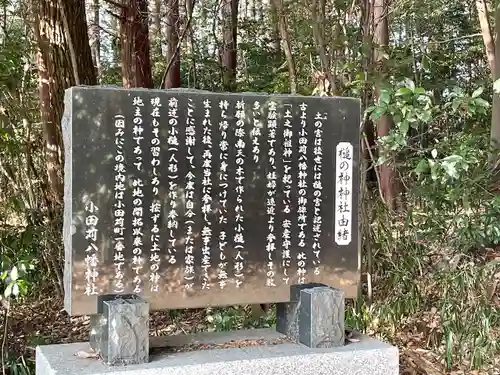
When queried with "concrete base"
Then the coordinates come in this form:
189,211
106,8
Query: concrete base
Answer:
224,357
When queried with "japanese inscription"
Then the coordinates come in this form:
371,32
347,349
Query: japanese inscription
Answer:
91,259
343,194
195,199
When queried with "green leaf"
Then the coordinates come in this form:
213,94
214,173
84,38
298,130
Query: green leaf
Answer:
378,112
477,92
450,169
385,97
410,84
8,291
403,91
481,102
452,159
421,167
14,273
465,202
15,290
426,116
405,126
425,62
371,108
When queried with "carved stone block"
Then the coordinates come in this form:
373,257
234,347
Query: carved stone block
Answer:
314,317
121,333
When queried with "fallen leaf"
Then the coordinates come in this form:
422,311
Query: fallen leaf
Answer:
84,354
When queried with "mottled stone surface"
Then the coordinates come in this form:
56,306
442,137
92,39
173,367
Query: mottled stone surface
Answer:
97,324
287,313
314,317
321,317
121,333
368,356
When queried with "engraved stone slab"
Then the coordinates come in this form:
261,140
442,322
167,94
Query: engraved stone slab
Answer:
315,319
211,199
122,334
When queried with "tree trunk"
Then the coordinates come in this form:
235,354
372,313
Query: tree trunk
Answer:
229,48
95,38
484,22
287,47
173,75
115,41
495,111
191,50
388,186
157,20
127,39
275,35
76,30
63,60
134,44
318,32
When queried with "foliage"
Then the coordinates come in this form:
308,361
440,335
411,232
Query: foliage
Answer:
435,261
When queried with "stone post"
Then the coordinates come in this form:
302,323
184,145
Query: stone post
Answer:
120,330
314,316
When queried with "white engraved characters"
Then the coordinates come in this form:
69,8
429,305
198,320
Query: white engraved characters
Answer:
190,141
287,188
343,193
317,188
91,259
256,131
119,205
272,124
223,186
206,190
173,175
155,209
302,194
137,196
239,239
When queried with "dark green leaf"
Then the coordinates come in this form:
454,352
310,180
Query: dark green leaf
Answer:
378,112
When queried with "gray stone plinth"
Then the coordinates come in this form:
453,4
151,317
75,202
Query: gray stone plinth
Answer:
120,334
366,357
314,316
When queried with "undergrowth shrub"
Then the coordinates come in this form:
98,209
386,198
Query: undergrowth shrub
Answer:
435,260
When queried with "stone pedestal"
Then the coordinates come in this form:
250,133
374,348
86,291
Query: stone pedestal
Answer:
120,331
314,316
221,353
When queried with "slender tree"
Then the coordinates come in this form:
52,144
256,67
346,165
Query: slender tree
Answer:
388,185
229,40
287,46
95,37
173,73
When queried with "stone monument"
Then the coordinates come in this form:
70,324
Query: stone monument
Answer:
187,199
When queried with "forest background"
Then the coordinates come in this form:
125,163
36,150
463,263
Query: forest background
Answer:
427,73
